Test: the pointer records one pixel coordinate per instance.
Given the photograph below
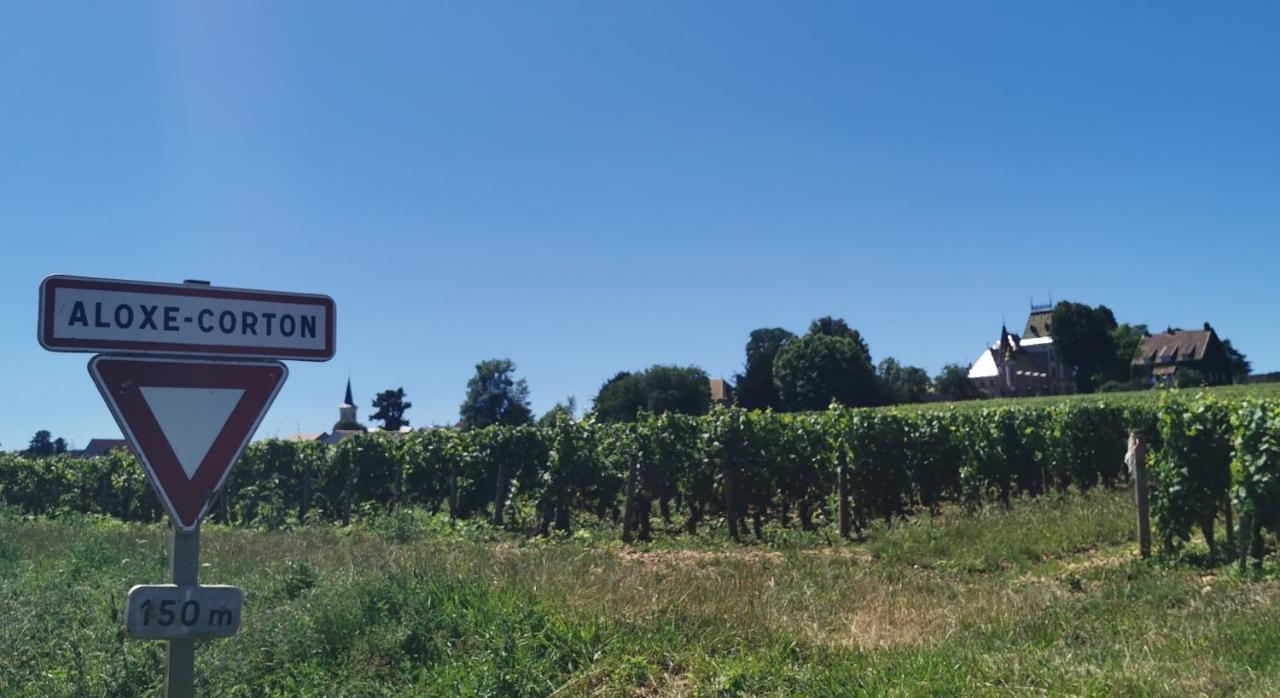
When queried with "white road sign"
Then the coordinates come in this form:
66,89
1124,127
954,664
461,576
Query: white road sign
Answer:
108,315
167,611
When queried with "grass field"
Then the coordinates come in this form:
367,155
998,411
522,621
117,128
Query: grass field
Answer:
1047,597
1225,392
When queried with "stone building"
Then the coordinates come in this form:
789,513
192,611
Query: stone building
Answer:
1019,366
347,425
721,392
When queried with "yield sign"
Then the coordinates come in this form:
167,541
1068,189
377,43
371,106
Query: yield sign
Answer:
187,421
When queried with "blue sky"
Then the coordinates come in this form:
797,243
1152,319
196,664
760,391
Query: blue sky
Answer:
591,187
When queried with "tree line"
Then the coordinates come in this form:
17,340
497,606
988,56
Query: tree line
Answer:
786,372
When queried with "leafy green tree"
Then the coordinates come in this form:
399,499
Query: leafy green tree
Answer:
657,389
837,327
569,408
902,383
620,398
754,386
41,444
1128,342
1238,365
831,362
954,382
391,407
495,396
1185,377
1082,336
679,389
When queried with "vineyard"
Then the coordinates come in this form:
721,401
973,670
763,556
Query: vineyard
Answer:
990,551
1215,455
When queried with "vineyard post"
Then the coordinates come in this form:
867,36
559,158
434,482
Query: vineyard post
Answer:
842,492
629,509
348,490
1227,511
305,503
453,490
730,491
1246,536
104,490
1138,448
128,497
500,490
397,499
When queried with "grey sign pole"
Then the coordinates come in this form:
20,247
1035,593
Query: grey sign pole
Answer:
184,568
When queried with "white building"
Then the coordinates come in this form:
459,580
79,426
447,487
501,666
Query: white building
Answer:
1020,366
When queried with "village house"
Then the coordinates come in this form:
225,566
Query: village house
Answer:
1163,356
101,447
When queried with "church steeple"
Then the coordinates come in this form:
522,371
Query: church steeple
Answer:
347,420
1008,343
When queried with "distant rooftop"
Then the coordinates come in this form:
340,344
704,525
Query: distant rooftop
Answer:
1039,323
1174,346
102,447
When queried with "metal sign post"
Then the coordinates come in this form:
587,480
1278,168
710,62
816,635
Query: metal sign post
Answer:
184,570
188,371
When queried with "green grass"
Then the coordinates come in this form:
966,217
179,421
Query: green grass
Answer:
1046,597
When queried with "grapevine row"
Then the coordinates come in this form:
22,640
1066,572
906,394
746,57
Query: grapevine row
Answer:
1210,457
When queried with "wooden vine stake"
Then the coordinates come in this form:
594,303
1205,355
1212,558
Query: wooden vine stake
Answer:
630,513
1137,460
842,493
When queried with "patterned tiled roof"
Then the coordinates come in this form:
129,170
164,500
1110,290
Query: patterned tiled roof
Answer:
1039,323
1174,346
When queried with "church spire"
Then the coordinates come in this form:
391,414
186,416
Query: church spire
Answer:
347,413
1007,343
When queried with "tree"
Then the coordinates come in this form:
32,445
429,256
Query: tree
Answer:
837,327
902,383
954,382
657,389
391,408
569,408
754,386
494,396
1238,365
1082,336
41,444
1128,342
831,362
1184,377
59,446
620,398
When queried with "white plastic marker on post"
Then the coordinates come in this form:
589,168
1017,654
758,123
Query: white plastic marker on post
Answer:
188,376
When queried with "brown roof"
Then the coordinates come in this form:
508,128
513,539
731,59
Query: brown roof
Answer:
721,391
1174,346
101,447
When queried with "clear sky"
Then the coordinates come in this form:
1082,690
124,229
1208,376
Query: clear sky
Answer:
592,187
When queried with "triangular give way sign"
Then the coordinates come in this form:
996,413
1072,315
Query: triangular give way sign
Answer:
187,421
